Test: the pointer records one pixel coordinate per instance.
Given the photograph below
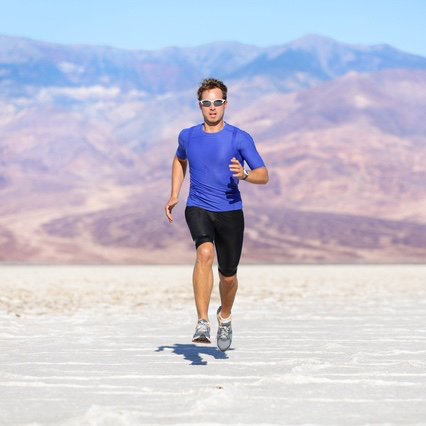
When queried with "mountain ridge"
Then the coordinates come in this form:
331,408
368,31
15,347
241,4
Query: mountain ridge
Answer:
85,167
318,58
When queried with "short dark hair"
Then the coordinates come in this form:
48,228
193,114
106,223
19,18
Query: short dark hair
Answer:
212,83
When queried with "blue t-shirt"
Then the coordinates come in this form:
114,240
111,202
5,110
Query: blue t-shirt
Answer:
212,186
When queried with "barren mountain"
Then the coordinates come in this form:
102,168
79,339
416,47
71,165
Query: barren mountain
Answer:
88,134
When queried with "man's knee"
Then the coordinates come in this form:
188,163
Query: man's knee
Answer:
228,279
205,253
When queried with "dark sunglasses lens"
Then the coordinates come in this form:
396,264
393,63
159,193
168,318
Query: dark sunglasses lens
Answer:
218,102
205,103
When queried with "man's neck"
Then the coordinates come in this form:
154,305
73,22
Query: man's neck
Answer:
209,128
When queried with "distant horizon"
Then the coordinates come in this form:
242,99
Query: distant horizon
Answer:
208,43
151,26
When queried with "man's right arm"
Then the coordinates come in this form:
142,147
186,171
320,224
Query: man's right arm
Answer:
178,175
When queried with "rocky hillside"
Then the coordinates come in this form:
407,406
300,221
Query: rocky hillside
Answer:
88,134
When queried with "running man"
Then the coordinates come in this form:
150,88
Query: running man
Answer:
216,153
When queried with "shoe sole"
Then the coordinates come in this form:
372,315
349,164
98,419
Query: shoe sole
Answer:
202,339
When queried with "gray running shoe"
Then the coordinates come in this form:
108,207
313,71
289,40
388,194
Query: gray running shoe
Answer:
202,332
224,333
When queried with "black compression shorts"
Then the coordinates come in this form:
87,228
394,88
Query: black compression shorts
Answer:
224,229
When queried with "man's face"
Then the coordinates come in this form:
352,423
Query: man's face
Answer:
213,114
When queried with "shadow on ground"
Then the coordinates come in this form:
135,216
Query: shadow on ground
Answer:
194,353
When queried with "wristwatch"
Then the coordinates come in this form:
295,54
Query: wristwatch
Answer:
246,173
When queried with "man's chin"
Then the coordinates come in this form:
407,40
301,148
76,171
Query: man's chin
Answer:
213,122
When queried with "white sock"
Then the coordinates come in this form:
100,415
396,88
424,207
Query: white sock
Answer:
225,320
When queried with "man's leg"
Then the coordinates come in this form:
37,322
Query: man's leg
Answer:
202,279
228,287
229,243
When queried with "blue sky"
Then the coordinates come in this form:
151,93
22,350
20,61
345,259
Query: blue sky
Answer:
154,24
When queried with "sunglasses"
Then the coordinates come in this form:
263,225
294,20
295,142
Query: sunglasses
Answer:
216,102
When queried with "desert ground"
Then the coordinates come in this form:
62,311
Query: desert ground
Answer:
313,345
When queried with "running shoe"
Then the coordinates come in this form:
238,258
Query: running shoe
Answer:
224,332
202,332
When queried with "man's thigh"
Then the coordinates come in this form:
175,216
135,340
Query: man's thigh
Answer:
200,224
229,241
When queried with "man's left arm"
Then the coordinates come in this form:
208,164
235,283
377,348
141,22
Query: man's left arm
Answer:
258,176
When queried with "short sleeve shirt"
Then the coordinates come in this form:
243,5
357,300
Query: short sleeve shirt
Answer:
212,185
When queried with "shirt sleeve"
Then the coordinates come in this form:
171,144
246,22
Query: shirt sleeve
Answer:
248,151
181,149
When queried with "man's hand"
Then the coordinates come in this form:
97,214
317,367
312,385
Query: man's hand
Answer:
169,207
236,168
257,176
